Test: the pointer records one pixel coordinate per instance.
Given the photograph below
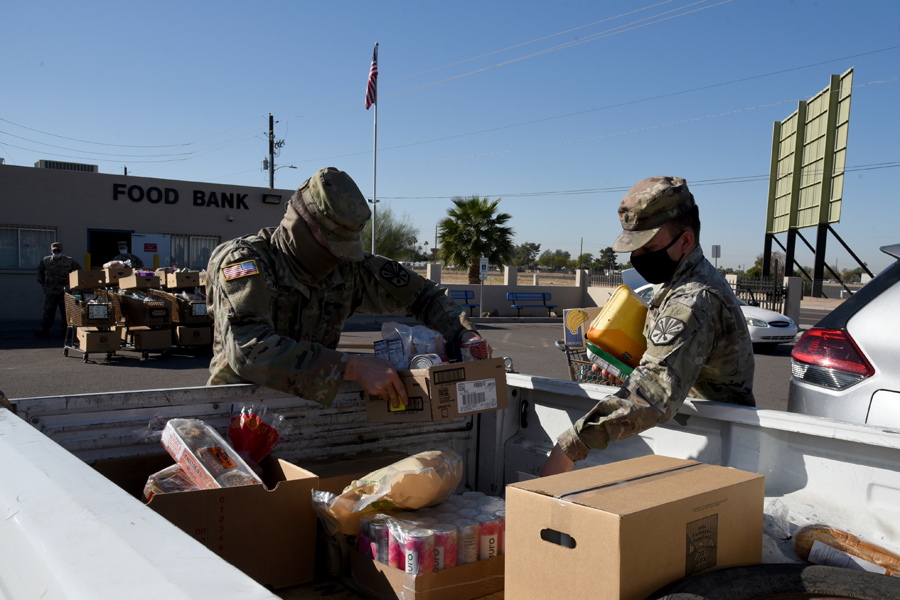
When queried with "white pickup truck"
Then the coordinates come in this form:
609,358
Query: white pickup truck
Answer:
67,532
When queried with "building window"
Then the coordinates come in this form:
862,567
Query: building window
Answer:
192,251
23,247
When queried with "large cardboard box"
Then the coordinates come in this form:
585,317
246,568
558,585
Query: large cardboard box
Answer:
445,392
83,279
90,339
269,534
112,275
184,279
144,338
139,282
464,582
193,336
621,531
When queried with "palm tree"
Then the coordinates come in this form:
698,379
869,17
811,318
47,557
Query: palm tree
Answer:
473,229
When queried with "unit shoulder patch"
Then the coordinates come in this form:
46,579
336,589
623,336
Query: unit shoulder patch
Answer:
666,330
395,273
242,269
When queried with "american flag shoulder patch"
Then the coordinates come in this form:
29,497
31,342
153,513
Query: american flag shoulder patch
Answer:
241,269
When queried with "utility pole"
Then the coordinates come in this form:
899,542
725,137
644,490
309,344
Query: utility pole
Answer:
580,252
271,152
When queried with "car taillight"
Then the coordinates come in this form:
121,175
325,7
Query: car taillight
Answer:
829,358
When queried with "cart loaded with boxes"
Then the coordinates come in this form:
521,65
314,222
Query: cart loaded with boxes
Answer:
90,316
143,320
191,324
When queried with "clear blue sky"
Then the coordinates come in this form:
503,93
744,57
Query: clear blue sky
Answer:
625,97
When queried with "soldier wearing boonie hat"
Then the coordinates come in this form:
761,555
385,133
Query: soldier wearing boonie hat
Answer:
124,255
697,339
279,299
53,275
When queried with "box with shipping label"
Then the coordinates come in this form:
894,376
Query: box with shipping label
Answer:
90,339
112,275
463,582
626,529
133,282
144,338
83,279
183,279
193,336
445,392
576,322
268,533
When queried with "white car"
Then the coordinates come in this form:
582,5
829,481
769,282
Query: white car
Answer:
767,327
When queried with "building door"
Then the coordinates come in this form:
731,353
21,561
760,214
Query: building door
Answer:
103,245
146,246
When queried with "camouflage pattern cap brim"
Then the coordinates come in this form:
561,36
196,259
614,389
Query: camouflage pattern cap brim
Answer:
335,203
652,203
56,246
629,241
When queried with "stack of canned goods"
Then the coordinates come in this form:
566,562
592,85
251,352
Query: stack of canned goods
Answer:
466,528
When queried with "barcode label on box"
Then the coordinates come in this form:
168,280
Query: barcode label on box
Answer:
478,395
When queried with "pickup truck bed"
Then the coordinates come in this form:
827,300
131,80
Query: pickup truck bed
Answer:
65,531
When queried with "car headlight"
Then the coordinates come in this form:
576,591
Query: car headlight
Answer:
756,322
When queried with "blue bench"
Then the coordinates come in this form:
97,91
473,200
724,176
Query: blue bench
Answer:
462,298
519,300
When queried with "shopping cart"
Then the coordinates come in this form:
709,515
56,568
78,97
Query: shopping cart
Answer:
81,313
580,367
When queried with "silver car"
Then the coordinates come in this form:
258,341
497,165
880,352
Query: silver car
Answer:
847,367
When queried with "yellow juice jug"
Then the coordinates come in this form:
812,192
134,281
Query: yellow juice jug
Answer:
616,339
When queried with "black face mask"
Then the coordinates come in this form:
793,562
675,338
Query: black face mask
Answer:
656,266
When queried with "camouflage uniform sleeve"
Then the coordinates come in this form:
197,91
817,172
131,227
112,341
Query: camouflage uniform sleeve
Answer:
681,338
75,266
245,330
389,287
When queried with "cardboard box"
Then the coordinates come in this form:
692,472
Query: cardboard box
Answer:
189,279
138,282
269,534
576,323
193,336
114,274
90,339
83,279
445,392
463,582
626,529
144,338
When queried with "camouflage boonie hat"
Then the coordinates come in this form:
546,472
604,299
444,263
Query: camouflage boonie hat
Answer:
56,246
648,206
332,199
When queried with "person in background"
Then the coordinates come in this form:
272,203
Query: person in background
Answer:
279,299
124,255
697,339
53,275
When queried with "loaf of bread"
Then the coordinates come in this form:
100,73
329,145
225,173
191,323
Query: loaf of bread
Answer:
844,541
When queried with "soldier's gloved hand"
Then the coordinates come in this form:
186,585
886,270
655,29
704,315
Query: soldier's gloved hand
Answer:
378,377
607,375
474,335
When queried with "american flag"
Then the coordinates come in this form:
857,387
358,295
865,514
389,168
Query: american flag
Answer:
240,270
372,87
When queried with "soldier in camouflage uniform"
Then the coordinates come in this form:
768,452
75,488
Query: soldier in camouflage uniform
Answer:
279,299
53,275
698,343
124,254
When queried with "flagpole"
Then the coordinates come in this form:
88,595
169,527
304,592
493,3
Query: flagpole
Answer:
375,160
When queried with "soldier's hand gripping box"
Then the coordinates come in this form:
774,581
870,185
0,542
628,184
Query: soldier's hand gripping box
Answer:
114,274
624,530
445,392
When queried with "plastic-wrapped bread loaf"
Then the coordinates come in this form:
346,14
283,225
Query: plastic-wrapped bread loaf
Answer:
844,541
